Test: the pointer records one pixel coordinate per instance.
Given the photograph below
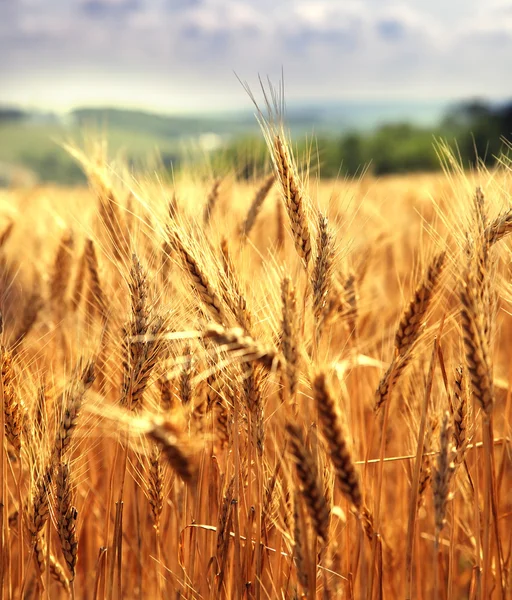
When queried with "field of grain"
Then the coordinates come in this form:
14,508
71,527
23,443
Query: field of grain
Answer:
268,389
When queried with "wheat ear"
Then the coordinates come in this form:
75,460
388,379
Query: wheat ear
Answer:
201,283
322,270
66,517
311,486
235,341
341,458
289,335
256,204
414,314
293,198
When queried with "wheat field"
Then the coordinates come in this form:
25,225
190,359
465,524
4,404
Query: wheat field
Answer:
280,388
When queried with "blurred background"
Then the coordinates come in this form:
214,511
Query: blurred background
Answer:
373,82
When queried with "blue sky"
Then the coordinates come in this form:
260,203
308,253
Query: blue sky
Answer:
181,55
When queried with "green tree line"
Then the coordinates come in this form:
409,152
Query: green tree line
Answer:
478,132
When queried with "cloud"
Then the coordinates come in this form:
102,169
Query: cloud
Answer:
390,29
326,47
106,8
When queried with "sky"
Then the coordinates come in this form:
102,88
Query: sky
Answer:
182,55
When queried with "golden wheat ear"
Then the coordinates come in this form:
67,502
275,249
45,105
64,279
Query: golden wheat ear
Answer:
211,201
176,449
62,267
499,228
67,515
235,341
311,485
13,411
293,197
6,234
476,346
73,399
460,415
97,296
256,205
155,484
142,342
321,276
235,296
339,453
414,315
289,336
443,473
409,327
199,280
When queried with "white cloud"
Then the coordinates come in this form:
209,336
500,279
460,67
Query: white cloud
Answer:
226,16
329,48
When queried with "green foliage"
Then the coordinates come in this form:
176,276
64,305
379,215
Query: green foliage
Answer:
401,148
481,130
477,129
390,149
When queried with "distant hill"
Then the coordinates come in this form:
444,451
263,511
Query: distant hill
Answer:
36,144
300,118
12,114
162,125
